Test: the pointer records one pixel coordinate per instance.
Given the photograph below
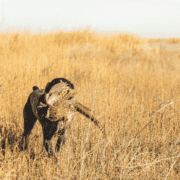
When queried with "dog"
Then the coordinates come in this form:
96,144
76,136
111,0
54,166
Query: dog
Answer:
41,104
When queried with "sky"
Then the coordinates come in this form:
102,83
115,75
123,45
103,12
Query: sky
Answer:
146,18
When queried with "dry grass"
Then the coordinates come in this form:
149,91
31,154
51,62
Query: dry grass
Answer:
126,85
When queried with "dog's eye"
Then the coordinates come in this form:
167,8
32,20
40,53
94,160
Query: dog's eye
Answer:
50,94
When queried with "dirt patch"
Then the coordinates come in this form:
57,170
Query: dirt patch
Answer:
165,46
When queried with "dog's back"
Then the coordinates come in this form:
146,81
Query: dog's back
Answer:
34,99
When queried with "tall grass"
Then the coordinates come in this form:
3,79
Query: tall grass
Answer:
126,84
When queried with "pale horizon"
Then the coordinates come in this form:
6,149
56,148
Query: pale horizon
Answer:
148,18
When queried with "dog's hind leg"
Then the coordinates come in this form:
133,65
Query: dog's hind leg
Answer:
29,121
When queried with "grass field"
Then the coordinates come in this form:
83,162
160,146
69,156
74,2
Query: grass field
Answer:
133,90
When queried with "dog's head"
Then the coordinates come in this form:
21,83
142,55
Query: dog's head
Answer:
57,81
57,93
58,89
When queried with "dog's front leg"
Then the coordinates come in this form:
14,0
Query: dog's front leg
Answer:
48,144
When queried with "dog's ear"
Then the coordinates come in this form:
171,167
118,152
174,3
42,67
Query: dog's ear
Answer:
35,88
42,110
47,87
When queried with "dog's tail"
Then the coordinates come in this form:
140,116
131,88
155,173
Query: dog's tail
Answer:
35,88
88,113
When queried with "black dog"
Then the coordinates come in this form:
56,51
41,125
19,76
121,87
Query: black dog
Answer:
37,107
32,112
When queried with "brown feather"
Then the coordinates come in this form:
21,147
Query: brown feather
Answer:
67,104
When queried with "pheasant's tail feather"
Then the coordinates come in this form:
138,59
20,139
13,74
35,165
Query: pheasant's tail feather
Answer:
88,113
